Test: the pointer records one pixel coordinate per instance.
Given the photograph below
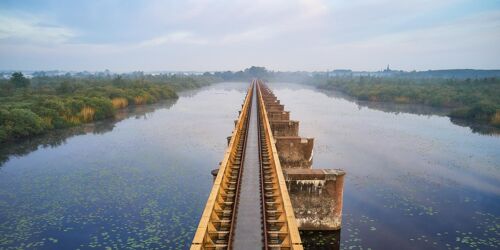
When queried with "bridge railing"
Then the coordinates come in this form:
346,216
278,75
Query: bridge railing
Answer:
293,240
202,237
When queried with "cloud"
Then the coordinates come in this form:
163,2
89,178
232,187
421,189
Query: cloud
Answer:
180,37
26,29
250,35
280,34
467,32
212,22
249,22
313,7
468,42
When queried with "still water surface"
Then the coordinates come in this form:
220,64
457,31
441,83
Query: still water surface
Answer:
141,181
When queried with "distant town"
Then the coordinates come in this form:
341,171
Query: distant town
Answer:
387,72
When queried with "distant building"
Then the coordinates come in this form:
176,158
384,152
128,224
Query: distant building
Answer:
339,72
387,69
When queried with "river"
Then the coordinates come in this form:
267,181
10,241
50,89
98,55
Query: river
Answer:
415,180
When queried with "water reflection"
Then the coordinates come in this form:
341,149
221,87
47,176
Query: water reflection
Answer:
480,128
59,137
417,109
119,185
319,240
415,180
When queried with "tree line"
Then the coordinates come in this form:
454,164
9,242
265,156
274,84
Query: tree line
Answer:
34,106
471,99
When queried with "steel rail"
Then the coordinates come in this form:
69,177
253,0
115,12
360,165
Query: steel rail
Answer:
291,237
217,224
202,238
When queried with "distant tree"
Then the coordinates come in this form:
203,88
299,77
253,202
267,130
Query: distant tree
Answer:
65,87
19,81
6,88
118,81
256,71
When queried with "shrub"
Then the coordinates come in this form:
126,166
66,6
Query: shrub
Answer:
119,102
495,120
21,122
63,101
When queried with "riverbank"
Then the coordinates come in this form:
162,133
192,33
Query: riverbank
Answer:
130,183
475,100
49,103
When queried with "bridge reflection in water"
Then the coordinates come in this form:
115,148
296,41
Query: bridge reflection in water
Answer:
265,190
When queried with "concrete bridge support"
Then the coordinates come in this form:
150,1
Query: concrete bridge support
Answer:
295,151
271,100
316,196
275,107
285,128
279,116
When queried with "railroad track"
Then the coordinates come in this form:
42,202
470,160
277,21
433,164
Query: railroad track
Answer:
249,206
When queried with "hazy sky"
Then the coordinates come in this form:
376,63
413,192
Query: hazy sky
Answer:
232,35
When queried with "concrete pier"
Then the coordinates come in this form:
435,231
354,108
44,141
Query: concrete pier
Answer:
316,196
285,128
275,107
295,151
279,115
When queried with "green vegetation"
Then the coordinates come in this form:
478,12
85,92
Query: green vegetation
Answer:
471,99
33,106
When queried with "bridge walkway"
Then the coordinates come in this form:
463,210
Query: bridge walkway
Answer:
249,206
248,229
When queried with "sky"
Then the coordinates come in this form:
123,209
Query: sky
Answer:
213,35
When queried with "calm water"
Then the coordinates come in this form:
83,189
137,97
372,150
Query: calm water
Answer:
141,181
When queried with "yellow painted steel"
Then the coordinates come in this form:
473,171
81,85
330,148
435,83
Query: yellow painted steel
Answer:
293,230
201,237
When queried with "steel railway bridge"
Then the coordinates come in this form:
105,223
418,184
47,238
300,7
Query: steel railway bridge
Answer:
249,206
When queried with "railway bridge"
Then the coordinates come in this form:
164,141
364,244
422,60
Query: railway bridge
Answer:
265,190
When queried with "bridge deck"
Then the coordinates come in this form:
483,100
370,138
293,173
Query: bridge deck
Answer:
249,206
248,229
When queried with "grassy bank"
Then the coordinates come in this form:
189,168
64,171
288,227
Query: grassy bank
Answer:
34,106
470,99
